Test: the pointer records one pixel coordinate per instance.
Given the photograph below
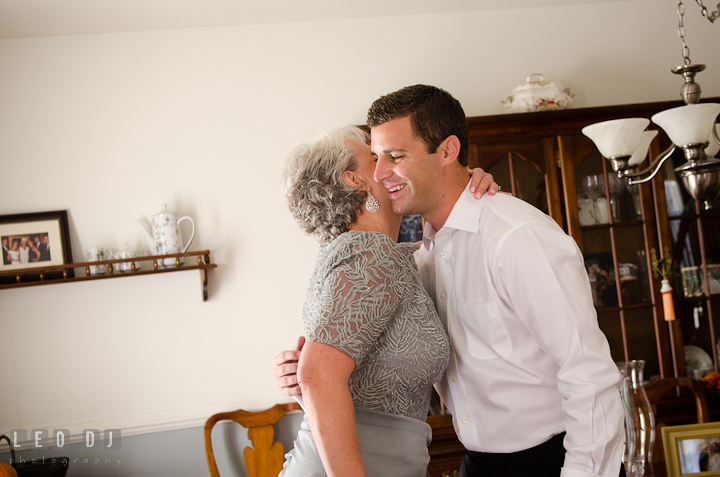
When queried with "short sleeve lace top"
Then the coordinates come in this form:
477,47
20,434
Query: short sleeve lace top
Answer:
365,298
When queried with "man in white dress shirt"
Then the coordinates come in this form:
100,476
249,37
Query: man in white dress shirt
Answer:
530,366
531,384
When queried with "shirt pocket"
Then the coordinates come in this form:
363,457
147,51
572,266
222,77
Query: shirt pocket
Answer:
485,332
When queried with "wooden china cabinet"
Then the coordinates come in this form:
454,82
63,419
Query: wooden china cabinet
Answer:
544,159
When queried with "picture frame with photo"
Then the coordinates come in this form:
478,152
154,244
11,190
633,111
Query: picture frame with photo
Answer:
693,280
714,278
34,240
601,273
692,449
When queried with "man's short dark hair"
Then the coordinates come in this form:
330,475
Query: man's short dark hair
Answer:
434,115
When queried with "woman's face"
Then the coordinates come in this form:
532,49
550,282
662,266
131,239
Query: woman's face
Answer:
366,170
15,245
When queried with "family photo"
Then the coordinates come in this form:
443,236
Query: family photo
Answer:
25,248
699,455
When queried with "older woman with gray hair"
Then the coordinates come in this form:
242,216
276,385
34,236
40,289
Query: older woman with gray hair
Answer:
375,345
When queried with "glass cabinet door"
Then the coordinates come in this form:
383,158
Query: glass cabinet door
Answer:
521,178
694,236
526,169
614,227
621,230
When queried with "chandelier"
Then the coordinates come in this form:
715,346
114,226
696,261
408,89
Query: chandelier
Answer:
692,128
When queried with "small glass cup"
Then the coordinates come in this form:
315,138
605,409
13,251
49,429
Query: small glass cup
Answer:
97,255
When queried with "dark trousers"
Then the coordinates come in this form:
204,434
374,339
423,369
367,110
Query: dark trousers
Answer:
545,460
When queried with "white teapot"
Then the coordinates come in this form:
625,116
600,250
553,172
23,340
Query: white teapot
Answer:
165,237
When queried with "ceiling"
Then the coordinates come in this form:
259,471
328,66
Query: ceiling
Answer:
33,18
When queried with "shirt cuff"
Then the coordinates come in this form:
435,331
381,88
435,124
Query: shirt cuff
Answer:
565,472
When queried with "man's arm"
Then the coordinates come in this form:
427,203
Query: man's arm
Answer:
542,275
286,366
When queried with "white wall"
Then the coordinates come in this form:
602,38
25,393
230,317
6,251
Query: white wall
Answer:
111,126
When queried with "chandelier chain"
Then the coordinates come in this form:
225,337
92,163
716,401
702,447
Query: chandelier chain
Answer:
681,32
710,16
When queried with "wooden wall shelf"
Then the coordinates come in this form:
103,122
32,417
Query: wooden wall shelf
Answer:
30,277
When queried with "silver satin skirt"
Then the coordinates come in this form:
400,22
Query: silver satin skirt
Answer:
390,445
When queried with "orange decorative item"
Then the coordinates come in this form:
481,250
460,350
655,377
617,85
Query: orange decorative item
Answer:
7,471
712,382
661,269
668,307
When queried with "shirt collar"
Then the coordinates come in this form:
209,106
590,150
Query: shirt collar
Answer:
465,215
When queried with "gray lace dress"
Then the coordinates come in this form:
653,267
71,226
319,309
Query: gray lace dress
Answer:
365,298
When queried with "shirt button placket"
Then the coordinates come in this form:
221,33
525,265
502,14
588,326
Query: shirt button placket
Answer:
443,256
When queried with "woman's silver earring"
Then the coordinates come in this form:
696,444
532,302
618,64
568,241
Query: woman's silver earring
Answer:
372,204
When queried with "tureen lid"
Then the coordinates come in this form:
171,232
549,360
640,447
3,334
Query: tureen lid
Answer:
163,210
537,81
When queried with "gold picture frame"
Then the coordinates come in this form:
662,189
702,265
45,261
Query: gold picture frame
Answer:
692,450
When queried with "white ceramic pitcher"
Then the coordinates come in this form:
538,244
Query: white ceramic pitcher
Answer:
165,237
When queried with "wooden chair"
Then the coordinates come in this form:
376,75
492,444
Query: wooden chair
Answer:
658,389
264,459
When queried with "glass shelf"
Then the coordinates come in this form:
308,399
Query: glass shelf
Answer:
628,223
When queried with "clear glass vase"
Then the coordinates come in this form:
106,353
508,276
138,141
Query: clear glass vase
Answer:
629,455
639,420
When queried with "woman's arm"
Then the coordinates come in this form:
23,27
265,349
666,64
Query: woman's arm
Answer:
323,373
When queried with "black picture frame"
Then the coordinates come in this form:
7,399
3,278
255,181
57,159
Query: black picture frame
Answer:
52,229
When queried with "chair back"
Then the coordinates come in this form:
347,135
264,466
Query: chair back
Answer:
658,389
263,459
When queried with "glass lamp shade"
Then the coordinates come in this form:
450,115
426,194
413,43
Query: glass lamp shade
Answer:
714,146
689,124
641,152
618,137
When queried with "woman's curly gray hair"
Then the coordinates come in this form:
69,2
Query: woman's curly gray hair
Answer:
318,198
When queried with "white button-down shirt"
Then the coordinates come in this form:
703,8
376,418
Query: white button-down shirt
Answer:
529,360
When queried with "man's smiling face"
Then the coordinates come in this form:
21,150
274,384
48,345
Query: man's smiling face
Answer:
405,168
